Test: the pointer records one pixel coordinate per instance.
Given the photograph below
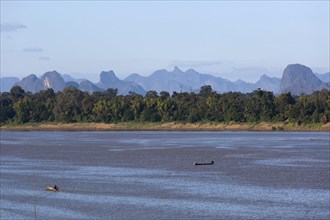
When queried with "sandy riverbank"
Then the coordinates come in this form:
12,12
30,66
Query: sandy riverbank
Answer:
168,127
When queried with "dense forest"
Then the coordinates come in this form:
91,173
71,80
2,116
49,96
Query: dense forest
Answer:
72,105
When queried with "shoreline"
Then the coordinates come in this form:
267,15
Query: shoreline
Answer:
171,126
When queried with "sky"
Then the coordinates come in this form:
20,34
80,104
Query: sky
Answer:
230,39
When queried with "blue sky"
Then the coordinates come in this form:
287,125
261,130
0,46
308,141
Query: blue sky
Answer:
230,39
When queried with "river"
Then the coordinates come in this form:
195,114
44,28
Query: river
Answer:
150,175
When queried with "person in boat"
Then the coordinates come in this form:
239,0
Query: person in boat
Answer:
56,187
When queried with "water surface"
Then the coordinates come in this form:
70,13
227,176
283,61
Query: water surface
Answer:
149,175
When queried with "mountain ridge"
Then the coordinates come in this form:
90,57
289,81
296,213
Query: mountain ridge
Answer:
175,80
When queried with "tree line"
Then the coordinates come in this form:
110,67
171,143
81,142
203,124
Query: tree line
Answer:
72,105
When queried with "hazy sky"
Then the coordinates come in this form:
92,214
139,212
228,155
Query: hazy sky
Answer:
239,39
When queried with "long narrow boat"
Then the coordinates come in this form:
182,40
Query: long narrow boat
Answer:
49,188
210,163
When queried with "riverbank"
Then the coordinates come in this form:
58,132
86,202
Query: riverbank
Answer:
172,126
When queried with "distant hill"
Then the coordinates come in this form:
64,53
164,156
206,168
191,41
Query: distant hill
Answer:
325,77
88,86
69,78
56,81
269,83
242,86
6,83
191,80
298,79
72,84
31,83
48,80
177,80
108,79
53,80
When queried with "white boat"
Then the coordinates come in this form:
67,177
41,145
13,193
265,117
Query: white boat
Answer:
49,188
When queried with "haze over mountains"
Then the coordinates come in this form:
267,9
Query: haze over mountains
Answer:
296,79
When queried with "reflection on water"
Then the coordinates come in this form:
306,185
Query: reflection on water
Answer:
116,175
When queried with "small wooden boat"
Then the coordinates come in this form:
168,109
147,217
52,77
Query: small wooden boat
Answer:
210,163
49,188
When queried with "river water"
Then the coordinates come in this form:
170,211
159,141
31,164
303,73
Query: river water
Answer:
150,175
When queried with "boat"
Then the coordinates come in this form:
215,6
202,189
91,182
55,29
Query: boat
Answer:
210,163
49,188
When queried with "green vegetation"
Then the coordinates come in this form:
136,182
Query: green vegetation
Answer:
72,106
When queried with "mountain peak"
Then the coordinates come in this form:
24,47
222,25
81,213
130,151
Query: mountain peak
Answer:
299,79
177,70
296,65
108,73
239,81
264,76
31,83
53,73
108,77
54,80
